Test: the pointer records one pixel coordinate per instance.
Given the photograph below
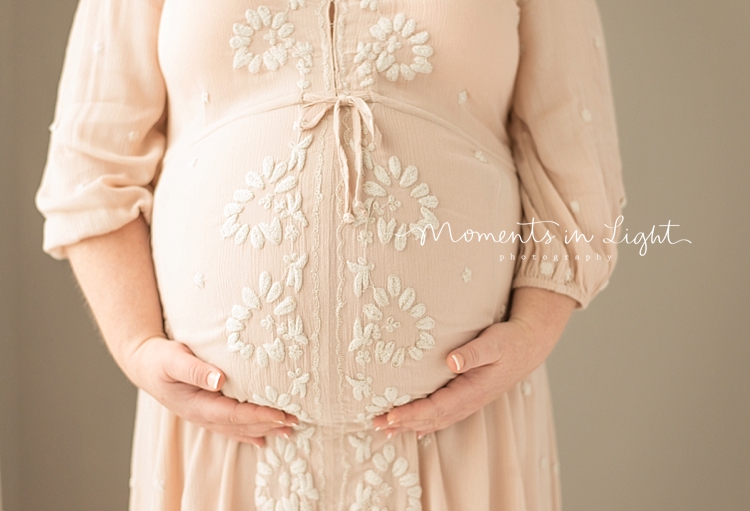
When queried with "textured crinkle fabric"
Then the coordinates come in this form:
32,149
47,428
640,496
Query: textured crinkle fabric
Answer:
333,192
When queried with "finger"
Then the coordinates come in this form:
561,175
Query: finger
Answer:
482,350
238,432
392,432
459,395
187,368
219,409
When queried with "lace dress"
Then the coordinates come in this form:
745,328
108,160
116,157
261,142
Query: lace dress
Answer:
317,176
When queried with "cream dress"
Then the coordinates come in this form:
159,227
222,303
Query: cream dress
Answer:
289,154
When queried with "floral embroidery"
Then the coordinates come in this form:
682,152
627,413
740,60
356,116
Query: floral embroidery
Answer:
360,386
280,463
466,275
380,55
371,4
378,483
384,205
288,327
286,205
388,400
462,97
378,324
303,53
283,400
277,34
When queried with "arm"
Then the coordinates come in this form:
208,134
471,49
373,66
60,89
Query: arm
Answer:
565,147
115,272
502,355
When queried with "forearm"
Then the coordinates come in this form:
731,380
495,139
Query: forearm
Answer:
116,274
543,312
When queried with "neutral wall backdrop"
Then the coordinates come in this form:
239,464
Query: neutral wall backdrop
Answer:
651,384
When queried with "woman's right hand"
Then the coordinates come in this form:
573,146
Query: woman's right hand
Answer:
189,387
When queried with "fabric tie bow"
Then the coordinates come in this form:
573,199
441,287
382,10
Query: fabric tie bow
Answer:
360,112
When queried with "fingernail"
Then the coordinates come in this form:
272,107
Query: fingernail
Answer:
378,428
213,380
420,436
459,360
280,422
390,435
286,435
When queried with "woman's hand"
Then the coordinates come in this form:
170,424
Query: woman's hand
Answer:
116,274
489,365
189,387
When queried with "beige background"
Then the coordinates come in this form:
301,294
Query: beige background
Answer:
651,383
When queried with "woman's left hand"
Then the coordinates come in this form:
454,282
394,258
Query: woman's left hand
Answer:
489,365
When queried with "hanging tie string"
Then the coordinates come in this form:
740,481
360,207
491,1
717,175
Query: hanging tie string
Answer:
360,112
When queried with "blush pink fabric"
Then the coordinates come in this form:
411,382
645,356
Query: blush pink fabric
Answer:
286,163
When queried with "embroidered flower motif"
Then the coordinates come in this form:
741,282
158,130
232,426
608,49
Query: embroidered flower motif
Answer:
361,271
280,400
361,443
466,275
287,327
278,33
388,400
299,382
303,53
281,464
371,4
287,206
364,237
371,492
462,97
383,205
295,4
376,324
360,386
380,55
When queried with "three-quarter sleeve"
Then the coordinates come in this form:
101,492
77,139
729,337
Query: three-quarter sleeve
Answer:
565,146
108,133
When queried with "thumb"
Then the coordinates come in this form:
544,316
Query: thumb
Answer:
480,351
187,368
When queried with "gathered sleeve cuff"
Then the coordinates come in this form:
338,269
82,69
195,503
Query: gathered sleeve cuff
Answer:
109,130
565,146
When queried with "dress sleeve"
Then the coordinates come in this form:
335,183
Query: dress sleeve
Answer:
565,146
109,129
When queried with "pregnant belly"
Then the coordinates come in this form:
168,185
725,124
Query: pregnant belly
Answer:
333,322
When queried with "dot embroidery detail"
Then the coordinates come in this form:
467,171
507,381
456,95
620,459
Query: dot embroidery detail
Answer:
479,155
526,388
199,280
